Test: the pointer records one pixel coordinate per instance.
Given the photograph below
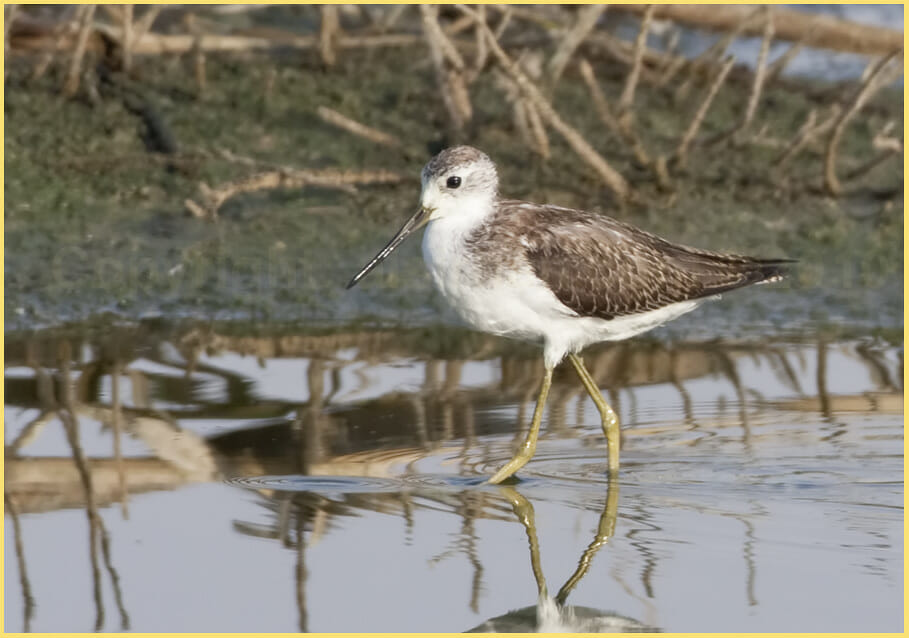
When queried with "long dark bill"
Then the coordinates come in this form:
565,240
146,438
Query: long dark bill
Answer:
419,219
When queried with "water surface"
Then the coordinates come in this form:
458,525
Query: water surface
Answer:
334,482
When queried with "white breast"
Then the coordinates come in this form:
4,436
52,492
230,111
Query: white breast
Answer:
512,303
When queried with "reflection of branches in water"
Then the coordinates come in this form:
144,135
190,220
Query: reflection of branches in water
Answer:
642,518
784,370
444,410
470,508
117,420
877,369
300,575
687,406
97,531
71,428
27,598
748,553
728,367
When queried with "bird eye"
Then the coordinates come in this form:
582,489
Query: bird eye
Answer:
453,182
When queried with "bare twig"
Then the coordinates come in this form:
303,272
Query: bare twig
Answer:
672,67
9,16
482,50
599,100
160,43
779,65
791,25
459,26
328,33
877,79
75,67
451,82
701,63
117,423
126,43
586,21
286,178
10,12
527,118
612,178
198,53
640,45
12,511
681,152
435,34
71,428
504,21
391,18
361,130
608,117
537,130
871,164
760,72
144,24
808,132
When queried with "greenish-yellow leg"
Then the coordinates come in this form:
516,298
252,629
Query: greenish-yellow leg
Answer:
529,446
609,418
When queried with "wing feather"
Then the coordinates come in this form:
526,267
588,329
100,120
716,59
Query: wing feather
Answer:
600,267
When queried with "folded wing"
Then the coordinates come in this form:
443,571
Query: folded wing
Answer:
600,267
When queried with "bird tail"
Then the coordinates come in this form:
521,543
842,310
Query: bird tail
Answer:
767,271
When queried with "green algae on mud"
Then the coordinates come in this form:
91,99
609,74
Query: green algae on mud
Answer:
95,224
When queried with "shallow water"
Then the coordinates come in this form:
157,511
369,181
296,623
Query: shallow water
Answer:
335,483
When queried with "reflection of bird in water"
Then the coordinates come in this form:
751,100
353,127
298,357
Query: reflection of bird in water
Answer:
549,618
568,278
551,614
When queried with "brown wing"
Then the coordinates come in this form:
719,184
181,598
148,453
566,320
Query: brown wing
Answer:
599,267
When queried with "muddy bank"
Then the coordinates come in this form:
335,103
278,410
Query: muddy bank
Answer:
95,222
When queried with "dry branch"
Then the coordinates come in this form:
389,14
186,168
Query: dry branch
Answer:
360,130
585,23
640,45
815,30
886,145
760,72
328,33
75,67
145,23
701,63
504,21
159,43
117,425
435,34
537,130
451,82
608,118
612,178
881,73
779,65
808,132
286,178
681,152
127,43
12,510
9,16
480,42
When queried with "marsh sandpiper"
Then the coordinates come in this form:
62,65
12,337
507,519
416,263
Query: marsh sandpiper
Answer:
562,277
